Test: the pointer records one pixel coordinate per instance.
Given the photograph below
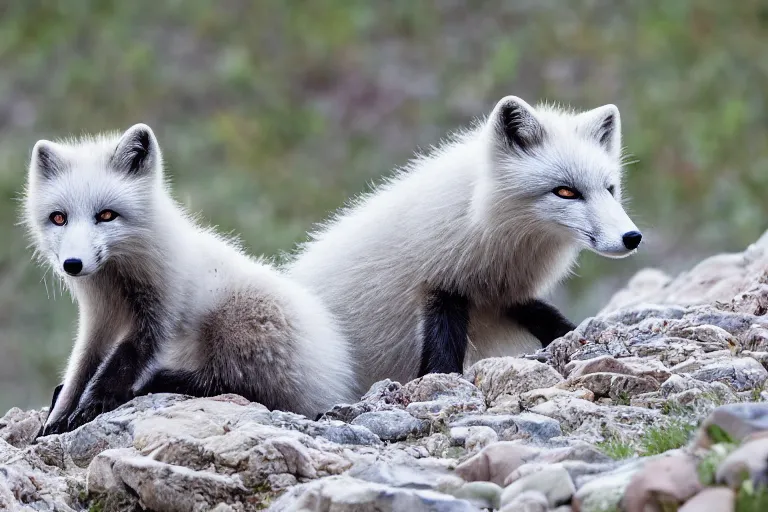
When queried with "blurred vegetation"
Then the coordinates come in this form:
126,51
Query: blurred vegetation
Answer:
272,112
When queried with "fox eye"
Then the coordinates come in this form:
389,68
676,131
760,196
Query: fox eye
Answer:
106,216
567,193
612,190
58,218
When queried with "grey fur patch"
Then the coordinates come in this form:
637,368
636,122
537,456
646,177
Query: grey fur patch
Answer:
49,165
520,128
250,350
134,152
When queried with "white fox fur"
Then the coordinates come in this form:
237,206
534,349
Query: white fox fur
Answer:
477,215
231,322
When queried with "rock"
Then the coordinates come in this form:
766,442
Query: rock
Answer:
602,364
738,421
19,428
614,385
644,287
529,501
474,438
495,462
553,482
604,491
480,494
714,499
406,472
532,398
741,374
661,354
590,421
661,483
451,388
508,426
120,476
750,460
346,493
508,376
392,425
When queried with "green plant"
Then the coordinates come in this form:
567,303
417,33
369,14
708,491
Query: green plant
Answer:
708,465
659,439
622,398
750,498
616,448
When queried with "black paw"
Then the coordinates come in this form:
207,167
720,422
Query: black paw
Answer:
91,405
55,427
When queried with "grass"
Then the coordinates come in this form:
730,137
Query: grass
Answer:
708,465
750,498
617,449
660,439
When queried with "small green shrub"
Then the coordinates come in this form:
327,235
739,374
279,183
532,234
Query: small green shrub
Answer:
751,498
617,449
663,438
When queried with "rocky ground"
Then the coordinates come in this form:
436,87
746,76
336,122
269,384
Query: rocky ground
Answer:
654,404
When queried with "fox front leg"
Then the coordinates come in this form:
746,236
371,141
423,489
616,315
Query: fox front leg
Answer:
113,384
541,319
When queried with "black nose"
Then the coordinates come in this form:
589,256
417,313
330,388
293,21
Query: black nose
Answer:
73,266
632,239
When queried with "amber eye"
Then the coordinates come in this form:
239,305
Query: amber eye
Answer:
58,218
566,193
106,216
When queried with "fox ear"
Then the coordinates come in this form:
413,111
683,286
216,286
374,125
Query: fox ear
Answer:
516,124
603,125
137,152
46,161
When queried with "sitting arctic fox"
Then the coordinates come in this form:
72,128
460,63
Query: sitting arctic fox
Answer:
166,305
455,250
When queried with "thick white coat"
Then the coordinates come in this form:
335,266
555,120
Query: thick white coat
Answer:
477,216
226,314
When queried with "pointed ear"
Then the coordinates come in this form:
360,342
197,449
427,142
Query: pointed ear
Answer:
516,125
137,153
603,125
47,160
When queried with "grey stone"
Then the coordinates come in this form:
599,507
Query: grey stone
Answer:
480,494
741,373
500,376
347,493
508,426
395,425
553,482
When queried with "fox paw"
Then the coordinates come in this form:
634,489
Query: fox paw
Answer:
55,427
91,405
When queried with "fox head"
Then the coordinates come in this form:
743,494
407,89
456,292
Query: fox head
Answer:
90,200
560,173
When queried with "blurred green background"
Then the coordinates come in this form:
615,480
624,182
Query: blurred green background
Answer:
272,113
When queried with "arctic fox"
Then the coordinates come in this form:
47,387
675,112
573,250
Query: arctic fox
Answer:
164,304
456,248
